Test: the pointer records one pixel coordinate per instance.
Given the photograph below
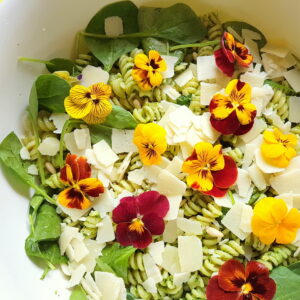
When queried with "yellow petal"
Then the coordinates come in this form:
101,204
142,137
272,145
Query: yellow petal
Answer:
290,153
291,140
77,111
244,113
216,158
292,219
191,166
73,198
280,161
141,78
269,137
99,111
203,150
278,210
100,91
264,231
238,91
155,78
272,150
156,61
149,157
262,209
223,107
285,235
141,61
80,94
202,180
230,42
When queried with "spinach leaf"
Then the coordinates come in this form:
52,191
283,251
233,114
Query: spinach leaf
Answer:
103,267
78,293
109,50
35,203
162,46
47,224
238,26
177,23
120,118
10,156
129,296
61,64
117,258
100,132
51,92
295,267
184,100
287,284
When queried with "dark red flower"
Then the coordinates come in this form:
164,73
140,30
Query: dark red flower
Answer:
138,218
235,282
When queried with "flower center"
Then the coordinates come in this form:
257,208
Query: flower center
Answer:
137,225
150,149
246,288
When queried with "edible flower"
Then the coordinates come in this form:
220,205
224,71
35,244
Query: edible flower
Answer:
138,218
277,148
235,282
231,51
210,172
234,113
147,70
89,103
151,142
273,221
76,174
67,77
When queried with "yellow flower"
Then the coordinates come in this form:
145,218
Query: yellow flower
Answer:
67,77
147,70
272,221
151,141
89,103
277,148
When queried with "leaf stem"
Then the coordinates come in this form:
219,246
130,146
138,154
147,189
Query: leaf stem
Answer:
121,36
40,61
231,197
198,45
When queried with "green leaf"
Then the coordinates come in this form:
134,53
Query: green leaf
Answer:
35,203
129,296
277,86
178,23
100,132
184,100
238,26
103,267
78,293
120,118
295,267
51,92
109,50
47,224
287,284
162,46
61,64
117,258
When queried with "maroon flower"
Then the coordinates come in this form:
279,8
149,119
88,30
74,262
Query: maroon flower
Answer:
138,218
235,282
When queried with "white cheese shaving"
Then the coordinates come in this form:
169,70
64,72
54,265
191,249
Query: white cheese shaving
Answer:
180,278
71,144
24,153
33,170
206,68
92,75
246,218
286,182
275,50
49,146
105,231
77,275
90,287
155,250
183,78
293,78
150,286
294,109
250,34
67,235
170,62
190,253
59,120
122,141
174,202
82,138
207,91
272,66
170,185
249,151
273,117
104,203
243,182
123,167
171,232
175,166
151,268
189,226
136,176
253,49
288,199
254,79
263,165
171,260
257,177
104,154
113,26
73,213
79,250
258,126
171,92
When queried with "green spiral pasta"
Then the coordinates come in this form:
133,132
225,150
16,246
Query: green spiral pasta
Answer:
196,285
236,154
124,185
172,151
190,87
150,112
140,293
213,25
54,181
82,61
166,287
279,103
136,271
256,244
90,225
43,122
29,143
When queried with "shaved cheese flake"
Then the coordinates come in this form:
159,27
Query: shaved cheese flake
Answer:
296,200
79,248
189,226
170,260
272,117
190,253
286,182
257,177
175,166
113,26
289,199
170,185
207,129
180,278
258,127
249,153
59,120
104,154
171,232
95,248
253,49
171,92
92,75
243,182
288,61
71,144
263,165
103,178
82,138
68,233
77,275
246,218
251,35
65,269
109,285
155,250
272,65
254,79
183,78
261,97
49,146
186,149
151,268
294,109
275,50
105,231
90,287
122,141
24,153
150,286
174,202
208,90
104,203
152,172
137,176
33,170
170,62
206,68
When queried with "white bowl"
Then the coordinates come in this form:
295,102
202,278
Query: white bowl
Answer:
46,29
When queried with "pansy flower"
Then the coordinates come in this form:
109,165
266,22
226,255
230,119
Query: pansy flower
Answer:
235,282
67,77
147,71
277,148
273,221
231,51
138,218
76,174
210,172
89,103
151,142
233,113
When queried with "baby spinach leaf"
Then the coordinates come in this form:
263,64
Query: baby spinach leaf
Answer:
47,224
238,26
51,92
100,132
117,258
295,267
78,293
129,296
61,64
177,23
184,100
120,118
103,267
35,203
287,284
109,50
162,46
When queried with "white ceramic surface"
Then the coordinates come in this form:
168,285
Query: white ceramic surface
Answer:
45,29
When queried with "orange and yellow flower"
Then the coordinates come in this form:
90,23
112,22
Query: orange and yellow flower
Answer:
76,174
210,172
89,103
233,114
277,148
147,71
151,142
272,221
231,51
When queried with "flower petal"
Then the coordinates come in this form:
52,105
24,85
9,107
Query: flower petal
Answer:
264,288
99,111
91,186
156,61
228,176
228,46
216,192
66,175
264,231
202,181
292,219
227,126
80,94
269,136
278,210
242,129
122,234
126,211
242,56
231,276
285,234
77,111
153,202
71,160
141,61
223,63
84,167
73,198
246,113
154,223
155,78
100,91
254,269
272,150
239,91
220,107
216,158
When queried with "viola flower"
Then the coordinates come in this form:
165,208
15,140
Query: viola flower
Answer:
76,174
67,77
151,141
147,70
233,114
138,218
231,51
272,221
210,172
89,103
235,282
277,148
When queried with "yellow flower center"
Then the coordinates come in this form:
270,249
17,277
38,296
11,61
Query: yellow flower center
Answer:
246,288
137,225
